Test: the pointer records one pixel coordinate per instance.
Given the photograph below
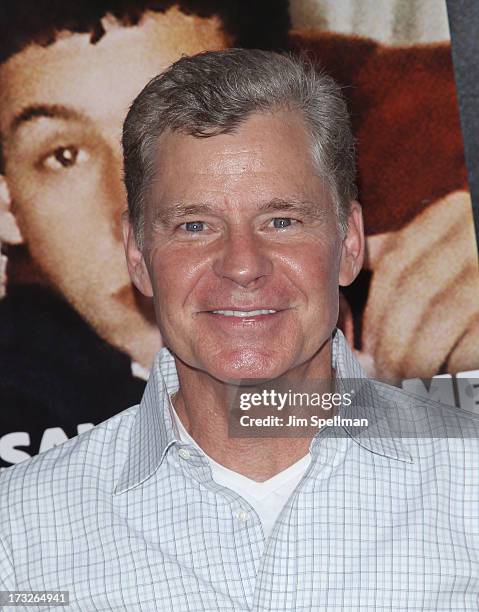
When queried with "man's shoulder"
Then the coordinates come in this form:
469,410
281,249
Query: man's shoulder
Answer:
426,415
428,428
96,455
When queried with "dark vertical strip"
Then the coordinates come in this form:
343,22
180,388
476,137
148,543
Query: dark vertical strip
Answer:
464,27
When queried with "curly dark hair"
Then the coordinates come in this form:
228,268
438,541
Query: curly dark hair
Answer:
251,23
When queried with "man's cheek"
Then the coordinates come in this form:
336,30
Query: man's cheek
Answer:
168,297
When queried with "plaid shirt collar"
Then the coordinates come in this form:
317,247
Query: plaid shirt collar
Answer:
154,429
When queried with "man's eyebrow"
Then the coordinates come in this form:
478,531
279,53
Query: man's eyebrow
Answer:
308,209
168,214
304,207
36,111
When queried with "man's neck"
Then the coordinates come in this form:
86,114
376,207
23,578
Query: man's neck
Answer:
202,404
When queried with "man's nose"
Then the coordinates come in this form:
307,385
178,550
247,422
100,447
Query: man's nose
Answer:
243,260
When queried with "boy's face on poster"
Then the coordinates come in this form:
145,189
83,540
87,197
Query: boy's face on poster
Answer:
61,112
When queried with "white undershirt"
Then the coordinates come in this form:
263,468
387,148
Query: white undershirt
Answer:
267,498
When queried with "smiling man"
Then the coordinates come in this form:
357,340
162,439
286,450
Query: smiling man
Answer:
242,226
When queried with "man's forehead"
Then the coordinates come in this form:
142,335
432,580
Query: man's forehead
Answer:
244,181
258,140
268,156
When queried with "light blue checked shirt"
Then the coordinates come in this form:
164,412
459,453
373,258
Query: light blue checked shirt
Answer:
124,519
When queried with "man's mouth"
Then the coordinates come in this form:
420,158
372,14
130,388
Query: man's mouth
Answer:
233,318
243,313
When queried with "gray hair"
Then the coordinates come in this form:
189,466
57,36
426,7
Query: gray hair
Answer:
214,92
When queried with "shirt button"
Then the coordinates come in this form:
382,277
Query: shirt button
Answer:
184,453
242,516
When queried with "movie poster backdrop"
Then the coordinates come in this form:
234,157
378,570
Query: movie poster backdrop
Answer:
76,340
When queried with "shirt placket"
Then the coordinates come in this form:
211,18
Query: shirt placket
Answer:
238,543
281,575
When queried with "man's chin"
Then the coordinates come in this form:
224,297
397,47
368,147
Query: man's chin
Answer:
247,369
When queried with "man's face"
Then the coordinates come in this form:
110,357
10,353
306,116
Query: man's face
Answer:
237,224
61,113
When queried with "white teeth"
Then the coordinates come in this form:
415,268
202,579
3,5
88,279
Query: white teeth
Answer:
243,313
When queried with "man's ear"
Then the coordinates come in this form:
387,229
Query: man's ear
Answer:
134,258
9,230
352,249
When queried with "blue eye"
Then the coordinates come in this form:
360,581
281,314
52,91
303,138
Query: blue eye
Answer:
194,226
281,222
